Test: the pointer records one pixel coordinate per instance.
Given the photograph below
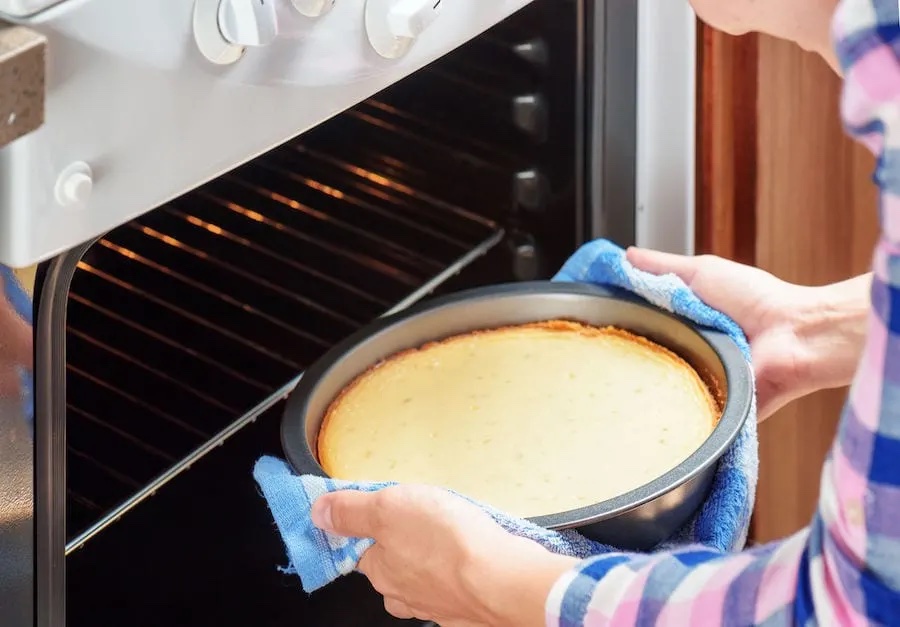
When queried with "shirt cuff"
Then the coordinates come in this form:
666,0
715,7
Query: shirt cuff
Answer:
553,608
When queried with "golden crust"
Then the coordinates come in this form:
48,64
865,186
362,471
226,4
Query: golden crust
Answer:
706,383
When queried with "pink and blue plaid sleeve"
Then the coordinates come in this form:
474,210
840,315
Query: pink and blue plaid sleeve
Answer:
844,569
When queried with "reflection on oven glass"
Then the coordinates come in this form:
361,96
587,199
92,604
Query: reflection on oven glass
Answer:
16,446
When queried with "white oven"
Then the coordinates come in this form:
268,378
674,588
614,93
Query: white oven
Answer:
199,197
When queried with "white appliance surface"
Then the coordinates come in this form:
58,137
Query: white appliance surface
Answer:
136,115
666,126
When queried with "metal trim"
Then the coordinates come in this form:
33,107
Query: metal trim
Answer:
50,438
612,154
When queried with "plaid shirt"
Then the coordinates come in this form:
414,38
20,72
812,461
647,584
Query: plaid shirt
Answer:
844,569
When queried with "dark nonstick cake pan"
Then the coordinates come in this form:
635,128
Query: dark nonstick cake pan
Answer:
636,520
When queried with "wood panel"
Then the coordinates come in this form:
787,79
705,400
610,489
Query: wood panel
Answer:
781,186
816,223
726,146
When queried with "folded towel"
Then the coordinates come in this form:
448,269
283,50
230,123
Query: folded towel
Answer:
320,558
721,523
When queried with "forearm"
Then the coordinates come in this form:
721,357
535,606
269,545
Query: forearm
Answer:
515,584
832,332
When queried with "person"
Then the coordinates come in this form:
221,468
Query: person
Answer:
439,558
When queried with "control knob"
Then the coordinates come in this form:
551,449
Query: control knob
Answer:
248,22
313,8
393,25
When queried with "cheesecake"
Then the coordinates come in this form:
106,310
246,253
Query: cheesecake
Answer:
533,419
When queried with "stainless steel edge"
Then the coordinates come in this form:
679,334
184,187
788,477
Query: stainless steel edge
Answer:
50,439
612,153
583,177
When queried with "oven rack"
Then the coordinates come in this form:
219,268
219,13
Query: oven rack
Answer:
186,324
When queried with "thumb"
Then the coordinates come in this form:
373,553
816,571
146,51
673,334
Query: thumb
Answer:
347,513
656,262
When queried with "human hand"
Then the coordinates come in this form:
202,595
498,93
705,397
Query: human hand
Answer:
802,339
438,557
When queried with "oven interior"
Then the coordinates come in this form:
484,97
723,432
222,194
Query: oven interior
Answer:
186,326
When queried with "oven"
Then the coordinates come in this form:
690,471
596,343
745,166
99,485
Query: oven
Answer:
199,198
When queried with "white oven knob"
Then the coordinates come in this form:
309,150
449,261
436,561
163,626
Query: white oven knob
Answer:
313,8
248,22
74,185
208,34
393,25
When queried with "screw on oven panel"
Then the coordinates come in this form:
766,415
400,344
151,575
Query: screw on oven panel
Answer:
530,115
530,191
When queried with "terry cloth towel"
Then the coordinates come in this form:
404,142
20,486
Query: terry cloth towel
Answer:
721,523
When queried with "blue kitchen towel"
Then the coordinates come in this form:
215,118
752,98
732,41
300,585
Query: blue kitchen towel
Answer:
721,523
319,558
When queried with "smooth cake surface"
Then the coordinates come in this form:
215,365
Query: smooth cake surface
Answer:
532,419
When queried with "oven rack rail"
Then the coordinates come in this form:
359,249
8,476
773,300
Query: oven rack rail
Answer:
186,324
279,395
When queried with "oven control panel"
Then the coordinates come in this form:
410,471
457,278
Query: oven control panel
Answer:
148,100
393,26
224,29
11,9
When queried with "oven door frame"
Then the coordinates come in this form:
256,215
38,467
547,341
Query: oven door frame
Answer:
640,123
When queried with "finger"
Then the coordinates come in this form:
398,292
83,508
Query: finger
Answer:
347,513
656,262
371,566
398,609
366,563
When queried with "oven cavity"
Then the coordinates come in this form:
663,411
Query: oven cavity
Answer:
189,322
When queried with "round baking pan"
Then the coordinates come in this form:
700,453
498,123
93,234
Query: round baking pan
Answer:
636,520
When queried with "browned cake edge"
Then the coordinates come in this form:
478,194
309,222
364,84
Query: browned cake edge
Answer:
714,395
